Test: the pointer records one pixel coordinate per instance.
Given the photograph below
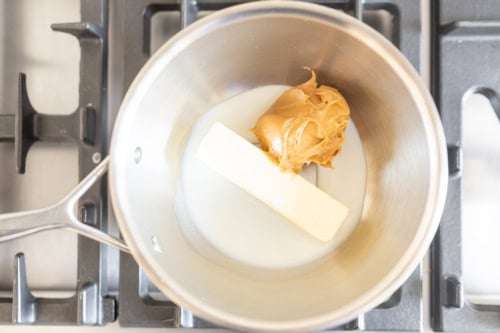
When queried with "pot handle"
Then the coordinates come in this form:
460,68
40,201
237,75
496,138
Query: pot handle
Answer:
60,215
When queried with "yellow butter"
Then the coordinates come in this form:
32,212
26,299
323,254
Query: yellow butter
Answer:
301,203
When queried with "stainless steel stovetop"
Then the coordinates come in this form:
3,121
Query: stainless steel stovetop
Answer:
58,278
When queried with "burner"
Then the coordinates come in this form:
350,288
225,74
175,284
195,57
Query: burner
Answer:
466,36
83,127
402,312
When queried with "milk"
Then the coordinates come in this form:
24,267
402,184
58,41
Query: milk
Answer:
235,225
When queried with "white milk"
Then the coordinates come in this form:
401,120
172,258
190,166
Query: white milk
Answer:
241,227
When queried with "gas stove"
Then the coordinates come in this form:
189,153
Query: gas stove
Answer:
65,66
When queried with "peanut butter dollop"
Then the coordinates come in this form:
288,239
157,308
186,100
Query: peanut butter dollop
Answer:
305,124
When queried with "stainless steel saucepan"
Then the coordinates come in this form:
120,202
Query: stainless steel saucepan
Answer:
233,50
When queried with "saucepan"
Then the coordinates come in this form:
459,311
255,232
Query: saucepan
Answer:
219,56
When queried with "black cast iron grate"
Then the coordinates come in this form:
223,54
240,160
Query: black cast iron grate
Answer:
402,312
90,304
466,57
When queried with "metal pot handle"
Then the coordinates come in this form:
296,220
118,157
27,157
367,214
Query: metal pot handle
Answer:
59,215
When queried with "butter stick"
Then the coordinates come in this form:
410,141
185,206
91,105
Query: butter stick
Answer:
301,203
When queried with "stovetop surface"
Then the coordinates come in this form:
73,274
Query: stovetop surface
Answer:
434,295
